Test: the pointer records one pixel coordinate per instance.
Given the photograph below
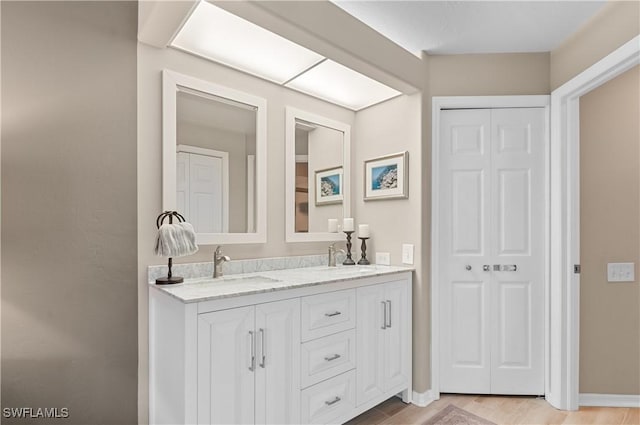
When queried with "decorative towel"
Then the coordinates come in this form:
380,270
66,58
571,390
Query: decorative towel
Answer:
176,240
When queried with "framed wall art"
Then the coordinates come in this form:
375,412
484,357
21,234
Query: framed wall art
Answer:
387,177
329,186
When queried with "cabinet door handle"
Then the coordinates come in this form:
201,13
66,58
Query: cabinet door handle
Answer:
262,352
384,315
335,313
252,352
334,401
331,358
389,314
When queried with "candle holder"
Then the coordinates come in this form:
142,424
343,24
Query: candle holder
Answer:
348,261
363,248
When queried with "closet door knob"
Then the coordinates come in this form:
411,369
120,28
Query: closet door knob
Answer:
486,268
468,267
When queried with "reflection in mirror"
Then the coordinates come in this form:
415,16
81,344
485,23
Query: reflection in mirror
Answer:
215,153
319,165
317,175
214,158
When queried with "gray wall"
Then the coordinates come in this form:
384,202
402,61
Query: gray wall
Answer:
69,232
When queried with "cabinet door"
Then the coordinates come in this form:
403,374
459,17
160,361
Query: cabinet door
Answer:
396,356
278,362
370,343
225,370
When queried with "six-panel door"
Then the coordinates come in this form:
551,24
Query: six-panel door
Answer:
491,251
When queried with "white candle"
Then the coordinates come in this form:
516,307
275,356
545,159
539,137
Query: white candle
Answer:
333,225
347,225
363,231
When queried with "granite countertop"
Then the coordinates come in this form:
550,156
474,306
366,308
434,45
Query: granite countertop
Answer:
205,289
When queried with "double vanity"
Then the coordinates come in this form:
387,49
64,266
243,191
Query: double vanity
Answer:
296,345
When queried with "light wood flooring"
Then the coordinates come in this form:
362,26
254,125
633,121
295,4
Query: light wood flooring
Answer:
501,410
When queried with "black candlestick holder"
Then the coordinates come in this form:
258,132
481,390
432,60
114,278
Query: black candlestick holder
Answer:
363,248
348,261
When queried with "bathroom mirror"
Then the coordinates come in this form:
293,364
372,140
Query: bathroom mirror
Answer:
214,159
317,176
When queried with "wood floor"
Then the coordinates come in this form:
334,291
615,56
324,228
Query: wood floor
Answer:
501,410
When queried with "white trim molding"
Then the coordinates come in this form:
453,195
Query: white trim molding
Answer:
609,400
462,102
564,313
424,399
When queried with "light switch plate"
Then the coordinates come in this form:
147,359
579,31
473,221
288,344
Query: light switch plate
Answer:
383,258
407,253
621,272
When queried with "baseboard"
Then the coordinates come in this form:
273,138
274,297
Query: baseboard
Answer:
423,399
609,400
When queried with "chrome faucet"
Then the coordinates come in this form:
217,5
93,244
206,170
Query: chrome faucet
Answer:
218,259
332,254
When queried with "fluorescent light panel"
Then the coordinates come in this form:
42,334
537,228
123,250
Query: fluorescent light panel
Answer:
338,84
226,38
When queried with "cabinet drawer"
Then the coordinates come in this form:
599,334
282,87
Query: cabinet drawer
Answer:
327,357
326,314
329,400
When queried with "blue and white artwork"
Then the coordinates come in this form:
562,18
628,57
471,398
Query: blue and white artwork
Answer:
384,177
330,185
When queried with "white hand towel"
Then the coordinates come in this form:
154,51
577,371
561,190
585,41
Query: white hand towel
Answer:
176,240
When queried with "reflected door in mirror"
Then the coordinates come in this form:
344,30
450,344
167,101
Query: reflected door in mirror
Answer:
216,145
202,194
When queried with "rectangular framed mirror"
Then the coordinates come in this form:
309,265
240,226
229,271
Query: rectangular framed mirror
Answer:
214,159
318,176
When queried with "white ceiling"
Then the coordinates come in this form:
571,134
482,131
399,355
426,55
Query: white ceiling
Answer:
456,27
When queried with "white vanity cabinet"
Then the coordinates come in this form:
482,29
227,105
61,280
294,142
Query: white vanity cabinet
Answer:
319,352
383,332
248,364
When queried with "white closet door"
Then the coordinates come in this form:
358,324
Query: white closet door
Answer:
206,194
491,246
517,343
465,160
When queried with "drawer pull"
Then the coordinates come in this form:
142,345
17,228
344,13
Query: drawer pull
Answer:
331,358
335,313
334,401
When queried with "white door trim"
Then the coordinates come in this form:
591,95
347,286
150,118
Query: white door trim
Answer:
459,102
562,389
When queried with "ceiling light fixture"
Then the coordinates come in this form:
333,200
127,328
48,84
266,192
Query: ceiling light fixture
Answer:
226,38
338,84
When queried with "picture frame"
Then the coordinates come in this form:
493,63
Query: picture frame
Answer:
329,186
387,177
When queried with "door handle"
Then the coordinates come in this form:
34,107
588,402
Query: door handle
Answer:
486,268
262,353
252,352
505,267
384,315
335,313
468,267
389,304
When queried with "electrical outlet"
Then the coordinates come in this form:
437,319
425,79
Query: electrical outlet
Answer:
620,272
407,253
383,258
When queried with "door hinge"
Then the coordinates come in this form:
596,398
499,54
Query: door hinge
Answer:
576,268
